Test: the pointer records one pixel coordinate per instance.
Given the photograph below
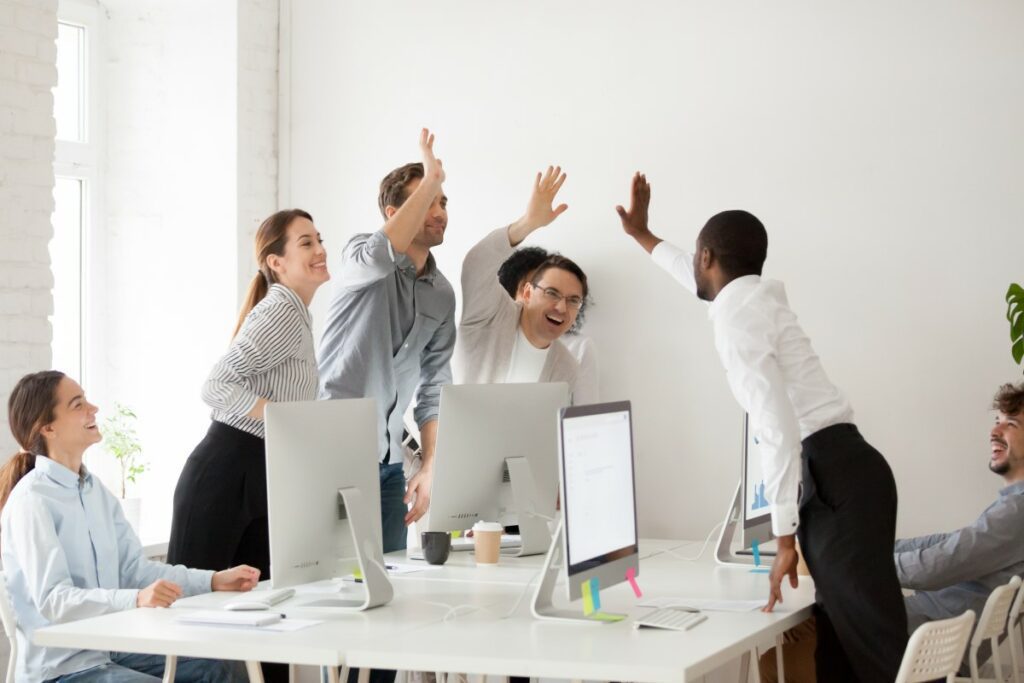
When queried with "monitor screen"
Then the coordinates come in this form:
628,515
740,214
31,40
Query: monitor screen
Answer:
599,501
756,507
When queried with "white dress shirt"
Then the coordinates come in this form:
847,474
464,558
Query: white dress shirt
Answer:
773,373
68,554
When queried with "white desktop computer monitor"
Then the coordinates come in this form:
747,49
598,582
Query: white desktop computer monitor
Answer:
598,536
323,496
757,509
495,436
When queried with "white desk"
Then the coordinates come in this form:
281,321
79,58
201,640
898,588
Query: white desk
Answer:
412,633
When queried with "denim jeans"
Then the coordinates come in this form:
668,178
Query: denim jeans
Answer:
135,668
392,507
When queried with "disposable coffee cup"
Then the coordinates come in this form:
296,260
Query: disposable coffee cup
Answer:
487,542
436,545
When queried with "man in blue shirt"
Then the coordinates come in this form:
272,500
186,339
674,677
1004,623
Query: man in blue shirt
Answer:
391,330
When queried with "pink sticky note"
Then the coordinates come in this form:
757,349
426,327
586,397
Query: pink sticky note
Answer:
631,577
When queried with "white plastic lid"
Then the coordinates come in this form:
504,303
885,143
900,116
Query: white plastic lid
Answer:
487,526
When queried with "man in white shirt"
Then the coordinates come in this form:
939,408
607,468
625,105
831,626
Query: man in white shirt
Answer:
846,516
501,340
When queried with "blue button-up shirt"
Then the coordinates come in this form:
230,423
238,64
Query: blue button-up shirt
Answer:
390,333
69,553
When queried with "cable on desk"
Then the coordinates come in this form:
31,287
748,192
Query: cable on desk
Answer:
686,559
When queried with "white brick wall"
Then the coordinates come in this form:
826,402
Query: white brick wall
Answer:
27,73
258,22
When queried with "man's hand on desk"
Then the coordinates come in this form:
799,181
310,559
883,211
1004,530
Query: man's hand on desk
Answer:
786,559
418,490
240,578
160,593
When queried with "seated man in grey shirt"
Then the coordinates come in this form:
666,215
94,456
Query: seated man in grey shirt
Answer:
956,571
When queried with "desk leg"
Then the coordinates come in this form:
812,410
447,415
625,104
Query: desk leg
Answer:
745,668
364,675
780,668
254,671
170,668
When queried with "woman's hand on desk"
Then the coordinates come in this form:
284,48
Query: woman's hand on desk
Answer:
240,578
160,593
786,559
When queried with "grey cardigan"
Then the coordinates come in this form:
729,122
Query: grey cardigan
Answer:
490,323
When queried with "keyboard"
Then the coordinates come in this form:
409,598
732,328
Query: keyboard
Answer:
259,600
671,618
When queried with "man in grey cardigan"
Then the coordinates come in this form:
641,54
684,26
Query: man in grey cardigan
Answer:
501,340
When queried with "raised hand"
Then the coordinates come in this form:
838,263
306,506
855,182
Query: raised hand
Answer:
160,593
634,221
540,211
240,578
433,171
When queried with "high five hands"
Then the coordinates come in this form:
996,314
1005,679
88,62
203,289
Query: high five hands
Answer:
634,221
540,210
433,171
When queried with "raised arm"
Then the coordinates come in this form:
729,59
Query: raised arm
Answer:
402,226
482,294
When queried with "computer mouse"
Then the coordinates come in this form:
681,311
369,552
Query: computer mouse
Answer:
244,604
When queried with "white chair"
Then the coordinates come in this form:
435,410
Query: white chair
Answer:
992,626
1015,633
10,627
936,649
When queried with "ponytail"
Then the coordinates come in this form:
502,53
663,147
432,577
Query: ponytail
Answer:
258,289
29,409
12,471
271,238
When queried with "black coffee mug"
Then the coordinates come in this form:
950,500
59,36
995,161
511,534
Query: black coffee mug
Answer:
436,546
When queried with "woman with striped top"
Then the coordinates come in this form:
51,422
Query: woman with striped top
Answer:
220,503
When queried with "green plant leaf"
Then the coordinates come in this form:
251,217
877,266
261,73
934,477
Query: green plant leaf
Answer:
1018,350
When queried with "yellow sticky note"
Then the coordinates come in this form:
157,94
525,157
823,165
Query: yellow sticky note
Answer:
605,616
588,598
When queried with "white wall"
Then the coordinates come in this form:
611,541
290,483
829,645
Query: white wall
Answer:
880,143
27,72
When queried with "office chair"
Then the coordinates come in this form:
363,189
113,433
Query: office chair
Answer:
936,649
992,626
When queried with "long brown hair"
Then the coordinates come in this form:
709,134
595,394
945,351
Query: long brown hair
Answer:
29,409
270,239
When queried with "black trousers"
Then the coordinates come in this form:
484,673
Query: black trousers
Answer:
220,509
847,531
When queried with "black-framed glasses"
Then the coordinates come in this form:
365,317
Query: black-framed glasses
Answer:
554,296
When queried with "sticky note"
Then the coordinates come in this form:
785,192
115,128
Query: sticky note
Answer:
631,577
591,596
755,548
357,574
606,616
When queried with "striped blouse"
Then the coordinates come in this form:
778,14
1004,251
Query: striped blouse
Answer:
270,357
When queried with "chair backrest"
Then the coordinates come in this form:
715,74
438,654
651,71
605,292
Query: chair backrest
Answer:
992,622
1015,609
10,625
936,649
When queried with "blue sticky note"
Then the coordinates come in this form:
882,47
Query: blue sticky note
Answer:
754,547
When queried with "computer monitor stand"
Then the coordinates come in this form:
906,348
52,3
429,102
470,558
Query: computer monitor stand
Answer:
543,606
725,554
533,528
369,557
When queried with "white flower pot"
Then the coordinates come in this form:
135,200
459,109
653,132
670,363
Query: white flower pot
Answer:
132,508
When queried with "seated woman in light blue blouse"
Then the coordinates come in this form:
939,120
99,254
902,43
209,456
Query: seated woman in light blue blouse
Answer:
68,552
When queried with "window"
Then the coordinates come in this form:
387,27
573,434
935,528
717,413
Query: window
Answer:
75,102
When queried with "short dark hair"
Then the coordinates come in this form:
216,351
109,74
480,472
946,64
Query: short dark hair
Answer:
518,266
392,188
738,240
1009,400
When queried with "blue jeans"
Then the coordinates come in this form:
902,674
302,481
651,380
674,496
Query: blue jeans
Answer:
392,507
135,668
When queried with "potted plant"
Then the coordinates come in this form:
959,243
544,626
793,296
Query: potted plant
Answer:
121,441
1015,314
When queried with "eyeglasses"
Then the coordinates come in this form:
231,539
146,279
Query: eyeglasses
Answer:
554,296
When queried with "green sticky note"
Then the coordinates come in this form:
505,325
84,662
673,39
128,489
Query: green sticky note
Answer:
588,598
357,574
606,616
